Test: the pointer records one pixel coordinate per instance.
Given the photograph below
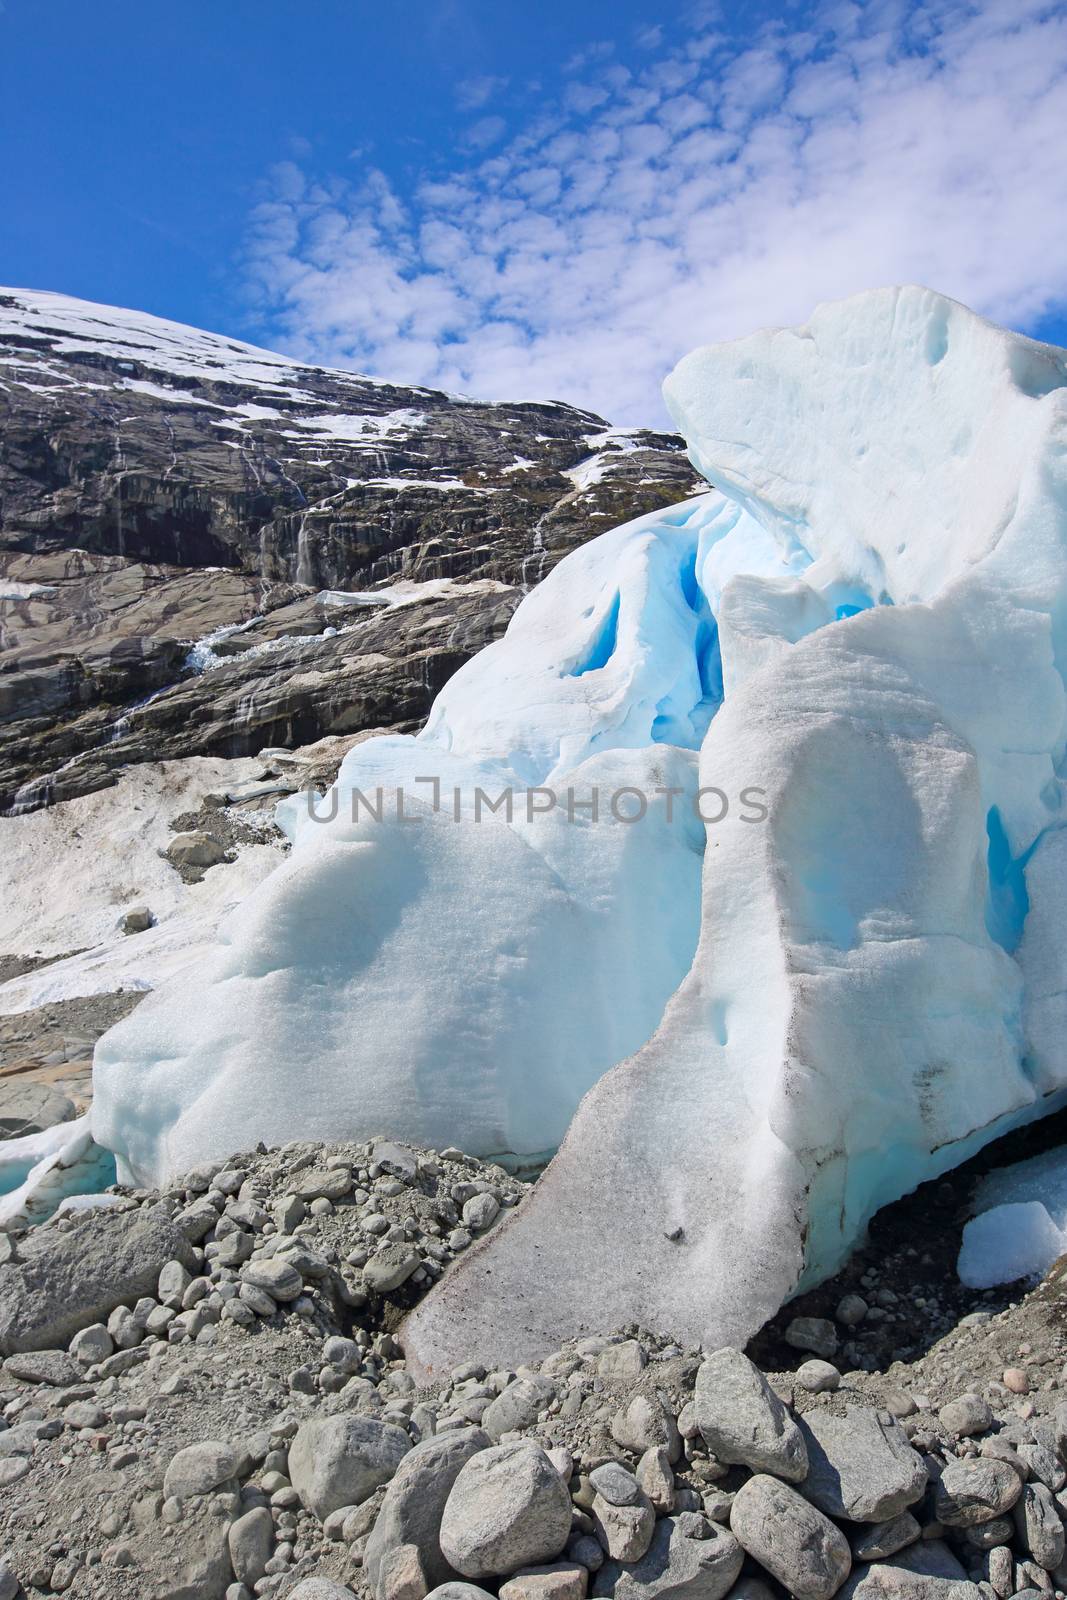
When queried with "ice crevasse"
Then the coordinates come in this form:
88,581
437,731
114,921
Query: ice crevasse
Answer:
772,1027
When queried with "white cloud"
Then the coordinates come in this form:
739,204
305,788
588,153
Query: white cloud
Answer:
705,191
473,93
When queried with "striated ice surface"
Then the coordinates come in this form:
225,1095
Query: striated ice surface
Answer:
777,1025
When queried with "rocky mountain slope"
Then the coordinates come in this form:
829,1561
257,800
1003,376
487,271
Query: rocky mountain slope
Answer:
159,485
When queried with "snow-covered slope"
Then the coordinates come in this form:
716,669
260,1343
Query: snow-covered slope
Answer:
68,874
868,626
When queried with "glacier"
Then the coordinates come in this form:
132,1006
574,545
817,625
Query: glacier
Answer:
745,1029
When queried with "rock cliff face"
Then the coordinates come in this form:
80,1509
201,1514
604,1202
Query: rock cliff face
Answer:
159,484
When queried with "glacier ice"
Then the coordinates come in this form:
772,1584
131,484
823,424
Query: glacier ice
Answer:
40,1172
1021,1224
772,1029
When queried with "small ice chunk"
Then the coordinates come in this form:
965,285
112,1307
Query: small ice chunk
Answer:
1009,1242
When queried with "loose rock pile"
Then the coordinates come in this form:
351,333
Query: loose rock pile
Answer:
203,1397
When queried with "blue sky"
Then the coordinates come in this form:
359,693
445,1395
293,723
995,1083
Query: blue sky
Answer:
549,201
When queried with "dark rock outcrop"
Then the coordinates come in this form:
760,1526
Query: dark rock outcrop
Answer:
159,484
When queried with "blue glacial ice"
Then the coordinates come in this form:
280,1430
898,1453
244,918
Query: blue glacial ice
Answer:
756,1033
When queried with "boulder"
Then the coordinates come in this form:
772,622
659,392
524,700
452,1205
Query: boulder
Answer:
31,1108
975,1491
615,1483
459,1591
195,850
275,1277
646,1424
790,1538
518,1407
688,1559
200,1468
251,1540
390,1267
340,1461
401,1574
415,1501
508,1508
53,1367
743,1421
558,1580
813,1334
883,1539
138,919
1037,1519
66,1280
927,1571
624,1530
860,1465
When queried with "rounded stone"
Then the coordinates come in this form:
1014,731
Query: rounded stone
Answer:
200,1468
791,1539
340,1461
276,1277
508,1508
966,1416
818,1377
975,1491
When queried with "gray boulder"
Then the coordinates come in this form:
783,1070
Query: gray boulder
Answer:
742,1420
860,1465
275,1277
63,1281
883,1539
688,1559
508,1508
53,1367
615,1483
251,1540
518,1407
200,1468
813,1334
646,1424
195,850
975,1491
390,1267
399,1160
624,1530
415,1502
790,1538
136,920
559,1580
340,1461
927,1571
1037,1520
92,1344
31,1108
966,1416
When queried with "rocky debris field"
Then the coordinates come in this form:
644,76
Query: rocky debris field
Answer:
203,1395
